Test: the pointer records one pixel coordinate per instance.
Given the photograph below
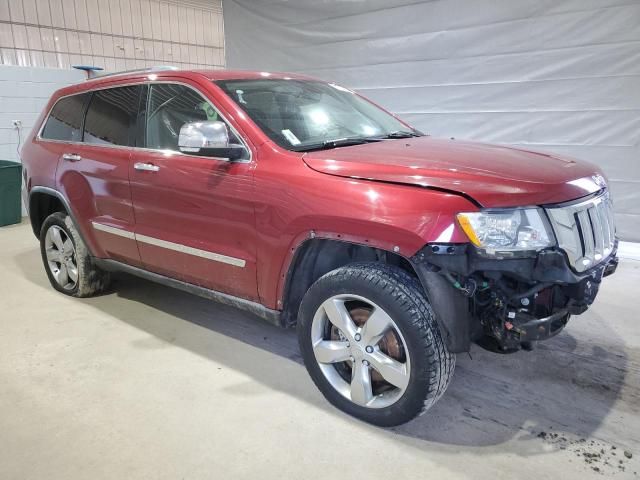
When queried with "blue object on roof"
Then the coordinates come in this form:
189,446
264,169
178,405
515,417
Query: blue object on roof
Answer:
87,68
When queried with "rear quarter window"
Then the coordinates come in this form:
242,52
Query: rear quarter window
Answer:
65,120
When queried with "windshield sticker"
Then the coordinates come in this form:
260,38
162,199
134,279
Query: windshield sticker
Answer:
288,134
239,93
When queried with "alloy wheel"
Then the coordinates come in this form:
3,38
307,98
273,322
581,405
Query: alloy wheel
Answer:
360,351
61,257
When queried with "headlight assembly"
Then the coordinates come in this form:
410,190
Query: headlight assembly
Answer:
507,232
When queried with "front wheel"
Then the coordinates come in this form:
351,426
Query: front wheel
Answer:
371,344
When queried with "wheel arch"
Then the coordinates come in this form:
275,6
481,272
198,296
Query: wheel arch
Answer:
43,201
315,257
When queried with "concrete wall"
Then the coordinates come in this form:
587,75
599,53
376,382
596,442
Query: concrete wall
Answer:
556,75
24,91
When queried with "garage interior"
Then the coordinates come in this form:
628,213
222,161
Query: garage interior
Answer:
150,382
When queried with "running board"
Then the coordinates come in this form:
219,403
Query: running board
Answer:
271,316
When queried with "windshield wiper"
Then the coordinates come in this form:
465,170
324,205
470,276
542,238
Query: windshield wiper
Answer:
337,142
400,134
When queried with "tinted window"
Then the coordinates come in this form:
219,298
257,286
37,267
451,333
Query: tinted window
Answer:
111,116
169,107
65,120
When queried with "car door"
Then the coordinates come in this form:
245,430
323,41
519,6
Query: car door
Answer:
195,218
94,173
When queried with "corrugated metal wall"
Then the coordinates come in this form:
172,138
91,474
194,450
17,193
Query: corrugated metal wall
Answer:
114,34
557,75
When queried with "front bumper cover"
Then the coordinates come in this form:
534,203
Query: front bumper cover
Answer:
460,319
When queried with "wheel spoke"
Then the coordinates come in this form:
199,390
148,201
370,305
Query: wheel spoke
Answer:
57,238
72,271
62,276
391,370
361,391
53,255
376,326
328,351
68,245
339,316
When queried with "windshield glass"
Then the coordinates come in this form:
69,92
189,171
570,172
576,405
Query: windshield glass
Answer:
303,115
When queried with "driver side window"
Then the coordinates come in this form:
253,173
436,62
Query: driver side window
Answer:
169,107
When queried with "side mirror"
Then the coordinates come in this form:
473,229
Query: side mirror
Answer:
209,139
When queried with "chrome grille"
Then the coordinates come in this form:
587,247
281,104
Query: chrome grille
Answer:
585,230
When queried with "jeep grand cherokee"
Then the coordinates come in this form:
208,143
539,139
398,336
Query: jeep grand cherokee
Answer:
306,204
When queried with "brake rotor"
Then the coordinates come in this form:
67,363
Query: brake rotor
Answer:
389,344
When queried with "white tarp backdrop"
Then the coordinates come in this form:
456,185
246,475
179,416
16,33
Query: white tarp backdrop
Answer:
556,75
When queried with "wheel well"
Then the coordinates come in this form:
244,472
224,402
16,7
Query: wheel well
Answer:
41,205
316,257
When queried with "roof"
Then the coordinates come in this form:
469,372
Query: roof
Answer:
141,75
248,74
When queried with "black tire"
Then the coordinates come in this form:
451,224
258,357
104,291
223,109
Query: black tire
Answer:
91,279
402,298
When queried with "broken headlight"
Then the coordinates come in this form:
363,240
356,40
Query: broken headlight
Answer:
507,231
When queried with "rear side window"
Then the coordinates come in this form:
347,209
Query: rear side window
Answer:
65,120
111,116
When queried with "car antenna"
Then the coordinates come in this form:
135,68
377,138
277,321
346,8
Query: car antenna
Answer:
88,69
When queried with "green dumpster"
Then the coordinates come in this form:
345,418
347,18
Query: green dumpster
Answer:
10,186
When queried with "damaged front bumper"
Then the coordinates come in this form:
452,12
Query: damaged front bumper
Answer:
508,303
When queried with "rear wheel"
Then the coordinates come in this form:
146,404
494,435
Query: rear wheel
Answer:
371,344
69,266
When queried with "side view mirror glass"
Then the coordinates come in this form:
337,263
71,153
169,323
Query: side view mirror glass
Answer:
209,139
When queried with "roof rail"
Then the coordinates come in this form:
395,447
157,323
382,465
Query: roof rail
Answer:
155,68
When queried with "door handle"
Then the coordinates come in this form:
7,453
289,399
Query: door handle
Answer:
146,167
71,157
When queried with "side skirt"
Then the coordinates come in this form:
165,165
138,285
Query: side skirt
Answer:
271,316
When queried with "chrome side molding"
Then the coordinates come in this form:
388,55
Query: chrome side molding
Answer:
176,247
113,230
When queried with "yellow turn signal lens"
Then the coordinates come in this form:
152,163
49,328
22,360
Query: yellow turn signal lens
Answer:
468,229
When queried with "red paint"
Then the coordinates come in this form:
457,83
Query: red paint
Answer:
262,211
494,175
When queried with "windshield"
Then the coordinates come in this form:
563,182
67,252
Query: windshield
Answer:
303,115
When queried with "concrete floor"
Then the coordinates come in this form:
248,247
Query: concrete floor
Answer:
148,382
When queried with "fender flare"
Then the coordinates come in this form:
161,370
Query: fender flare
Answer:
65,203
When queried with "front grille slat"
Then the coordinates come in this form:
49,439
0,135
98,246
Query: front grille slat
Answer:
597,229
585,230
587,233
605,212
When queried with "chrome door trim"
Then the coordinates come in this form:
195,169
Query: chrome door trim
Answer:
196,252
176,247
121,232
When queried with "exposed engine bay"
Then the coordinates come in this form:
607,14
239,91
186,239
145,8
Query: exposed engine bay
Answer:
510,303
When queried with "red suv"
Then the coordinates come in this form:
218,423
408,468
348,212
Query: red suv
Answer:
308,205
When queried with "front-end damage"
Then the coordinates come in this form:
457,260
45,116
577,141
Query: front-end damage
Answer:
509,303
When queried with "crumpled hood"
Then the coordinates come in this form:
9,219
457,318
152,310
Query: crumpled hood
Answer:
493,175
